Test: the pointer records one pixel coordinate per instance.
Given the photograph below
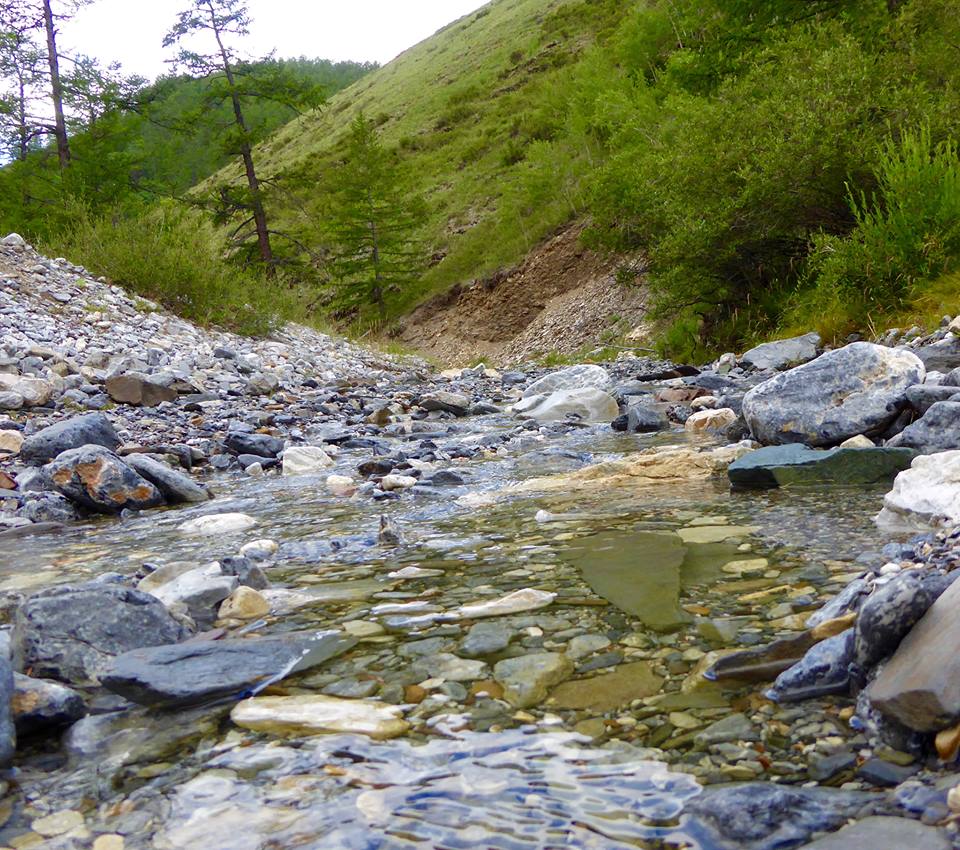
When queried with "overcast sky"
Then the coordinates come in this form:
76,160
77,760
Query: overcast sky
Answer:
131,31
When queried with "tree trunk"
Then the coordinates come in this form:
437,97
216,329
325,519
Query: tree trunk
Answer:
23,133
246,152
56,86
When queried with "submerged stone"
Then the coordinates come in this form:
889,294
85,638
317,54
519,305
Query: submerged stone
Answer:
823,670
887,832
319,715
779,466
638,572
609,691
527,679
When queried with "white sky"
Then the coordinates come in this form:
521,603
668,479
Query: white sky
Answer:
131,31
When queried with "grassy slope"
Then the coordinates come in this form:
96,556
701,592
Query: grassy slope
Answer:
462,110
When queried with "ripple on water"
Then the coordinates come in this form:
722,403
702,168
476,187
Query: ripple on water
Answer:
507,791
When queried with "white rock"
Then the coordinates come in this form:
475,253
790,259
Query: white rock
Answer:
305,460
414,572
13,240
259,550
925,496
244,603
527,599
317,715
397,482
589,403
710,420
858,442
341,485
10,441
585,376
208,526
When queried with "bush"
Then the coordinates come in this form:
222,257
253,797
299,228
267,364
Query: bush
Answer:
169,255
907,232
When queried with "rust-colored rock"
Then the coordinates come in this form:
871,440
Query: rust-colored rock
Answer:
96,478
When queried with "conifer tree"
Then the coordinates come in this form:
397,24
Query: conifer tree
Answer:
373,224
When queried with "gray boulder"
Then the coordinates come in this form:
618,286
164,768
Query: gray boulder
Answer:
262,445
643,419
93,429
923,396
784,353
199,671
455,403
39,705
175,486
778,466
943,356
938,430
96,478
141,390
590,405
581,377
70,633
887,832
920,686
859,389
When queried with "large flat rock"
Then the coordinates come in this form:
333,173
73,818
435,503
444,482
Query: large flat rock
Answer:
93,429
920,685
925,496
199,671
883,832
783,353
778,466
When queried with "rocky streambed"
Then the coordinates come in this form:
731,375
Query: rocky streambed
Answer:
290,593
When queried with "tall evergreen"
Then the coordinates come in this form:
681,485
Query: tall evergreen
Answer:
373,224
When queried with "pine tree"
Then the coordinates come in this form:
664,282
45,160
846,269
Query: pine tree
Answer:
373,225
235,80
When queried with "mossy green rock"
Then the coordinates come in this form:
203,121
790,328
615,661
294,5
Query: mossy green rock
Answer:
778,466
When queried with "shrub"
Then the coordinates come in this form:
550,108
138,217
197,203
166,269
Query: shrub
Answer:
170,255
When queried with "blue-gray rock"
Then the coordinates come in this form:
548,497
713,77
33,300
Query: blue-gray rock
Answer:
49,507
70,633
643,419
923,396
97,479
943,356
765,816
200,671
938,430
849,599
883,774
858,389
890,612
8,734
778,466
94,429
175,486
888,833
39,705
247,572
262,445
823,671
784,353
486,638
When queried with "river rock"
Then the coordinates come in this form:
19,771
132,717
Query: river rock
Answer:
891,611
486,638
608,691
455,403
859,389
643,419
767,816
320,715
34,391
260,445
710,420
97,479
40,705
920,686
778,466
244,603
784,353
8,734
526,680
588,403
138,389
175,486
938,430
216,524
925,496
823,670
200,590
886,832
305,460
11,442
200,671
527,599
72,632
586,376
942,356
94,429
923,396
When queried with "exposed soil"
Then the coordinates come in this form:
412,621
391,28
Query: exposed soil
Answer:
562,298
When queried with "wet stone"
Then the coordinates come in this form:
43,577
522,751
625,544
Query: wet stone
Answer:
527,679
608,691
39,705
486,638
97,479
887,832
883,774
